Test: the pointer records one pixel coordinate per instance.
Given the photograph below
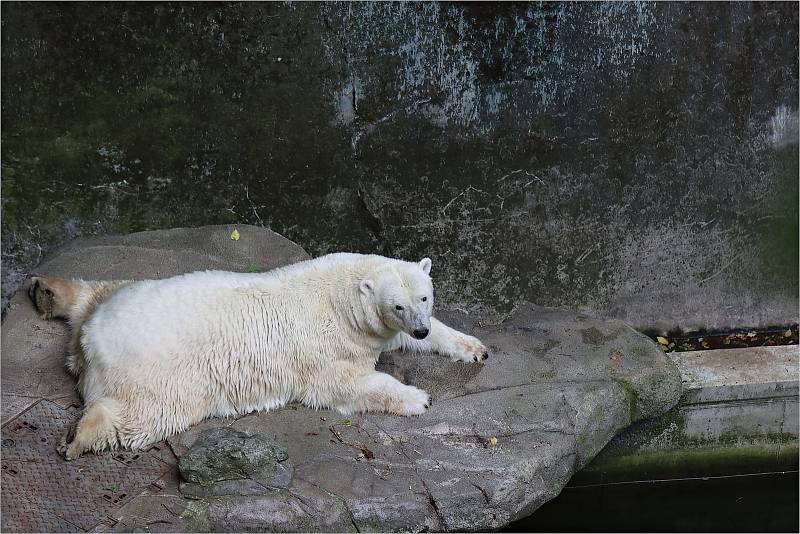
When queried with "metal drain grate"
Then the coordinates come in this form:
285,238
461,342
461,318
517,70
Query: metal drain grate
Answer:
44,493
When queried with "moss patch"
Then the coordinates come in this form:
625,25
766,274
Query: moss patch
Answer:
777,232
691,462
594,336
196,514
631,396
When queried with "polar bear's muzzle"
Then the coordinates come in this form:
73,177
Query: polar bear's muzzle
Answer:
420,333
421,324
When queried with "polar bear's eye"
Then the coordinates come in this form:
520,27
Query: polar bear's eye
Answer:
424,299
398,308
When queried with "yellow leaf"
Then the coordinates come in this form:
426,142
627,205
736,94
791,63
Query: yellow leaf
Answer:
493,441
788,333
235,234
662,340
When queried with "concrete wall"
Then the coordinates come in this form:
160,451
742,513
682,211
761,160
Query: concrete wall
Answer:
636,160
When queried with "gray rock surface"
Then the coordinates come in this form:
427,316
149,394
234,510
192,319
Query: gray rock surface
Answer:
225,455
501,438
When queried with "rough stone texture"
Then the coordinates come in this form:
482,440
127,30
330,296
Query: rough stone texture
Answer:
224,454
635,160
556,389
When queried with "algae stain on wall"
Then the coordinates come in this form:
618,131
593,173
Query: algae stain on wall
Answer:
777,231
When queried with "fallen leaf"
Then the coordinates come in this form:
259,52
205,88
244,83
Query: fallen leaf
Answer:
493,441
235,234
347,422
662,340
788,333
751,334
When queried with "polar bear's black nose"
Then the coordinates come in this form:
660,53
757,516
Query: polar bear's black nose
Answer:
420,333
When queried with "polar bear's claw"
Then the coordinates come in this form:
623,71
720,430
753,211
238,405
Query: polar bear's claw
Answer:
484,356
469,349
413,401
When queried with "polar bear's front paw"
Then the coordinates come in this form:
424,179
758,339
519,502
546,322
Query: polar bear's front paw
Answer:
412,401
469,349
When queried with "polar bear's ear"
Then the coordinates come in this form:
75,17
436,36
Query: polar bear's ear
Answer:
366,286
425,265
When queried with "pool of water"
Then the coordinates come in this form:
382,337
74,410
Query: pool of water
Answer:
762,502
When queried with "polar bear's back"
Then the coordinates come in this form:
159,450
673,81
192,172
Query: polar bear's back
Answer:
156,318
210,317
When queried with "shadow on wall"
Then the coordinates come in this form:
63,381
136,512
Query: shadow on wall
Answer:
626,159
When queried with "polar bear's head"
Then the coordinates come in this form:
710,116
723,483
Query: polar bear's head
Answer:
403,296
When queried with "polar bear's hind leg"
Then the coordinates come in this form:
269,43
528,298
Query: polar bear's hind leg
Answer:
97,430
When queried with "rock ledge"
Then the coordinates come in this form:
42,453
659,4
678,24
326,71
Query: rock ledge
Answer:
501,438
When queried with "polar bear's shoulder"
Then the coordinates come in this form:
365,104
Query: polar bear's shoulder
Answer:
343,260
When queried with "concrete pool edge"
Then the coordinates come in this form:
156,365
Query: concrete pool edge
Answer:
738,415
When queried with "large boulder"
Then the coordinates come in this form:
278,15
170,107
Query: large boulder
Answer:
501,438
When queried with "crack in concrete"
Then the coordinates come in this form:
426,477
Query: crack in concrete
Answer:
483,491
374,222
432,502
336,496
526,384
399,442
369,128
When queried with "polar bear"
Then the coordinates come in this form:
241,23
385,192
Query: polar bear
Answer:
155,356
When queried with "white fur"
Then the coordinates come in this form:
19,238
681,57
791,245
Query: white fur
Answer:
161,355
